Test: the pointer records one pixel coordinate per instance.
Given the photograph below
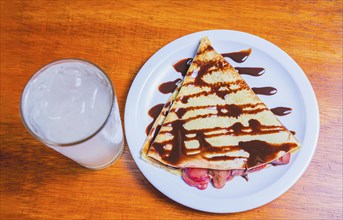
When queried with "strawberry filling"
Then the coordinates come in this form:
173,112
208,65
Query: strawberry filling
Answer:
198,174
200,177
200,182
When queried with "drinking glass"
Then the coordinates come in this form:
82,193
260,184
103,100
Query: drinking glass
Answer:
70,105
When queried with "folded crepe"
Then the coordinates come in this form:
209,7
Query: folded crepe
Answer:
214,121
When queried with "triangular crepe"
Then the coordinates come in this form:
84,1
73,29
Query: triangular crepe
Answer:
215,121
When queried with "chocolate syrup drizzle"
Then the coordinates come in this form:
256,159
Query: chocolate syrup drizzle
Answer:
281,111
182,65
259,150
251,71
169,87
264,90
153,113
238,57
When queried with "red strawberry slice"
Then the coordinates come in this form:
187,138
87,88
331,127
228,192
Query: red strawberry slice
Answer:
198,174
199,184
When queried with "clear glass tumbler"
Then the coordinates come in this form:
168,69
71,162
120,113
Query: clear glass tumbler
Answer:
70,105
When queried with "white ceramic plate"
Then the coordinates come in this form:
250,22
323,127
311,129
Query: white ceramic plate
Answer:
282,72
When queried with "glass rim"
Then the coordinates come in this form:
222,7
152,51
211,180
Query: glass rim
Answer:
47,141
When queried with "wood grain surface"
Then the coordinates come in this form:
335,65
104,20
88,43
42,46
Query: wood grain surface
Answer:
119,36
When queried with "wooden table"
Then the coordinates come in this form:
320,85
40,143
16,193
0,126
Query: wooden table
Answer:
119,36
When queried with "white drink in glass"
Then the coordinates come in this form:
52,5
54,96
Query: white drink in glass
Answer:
70,105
